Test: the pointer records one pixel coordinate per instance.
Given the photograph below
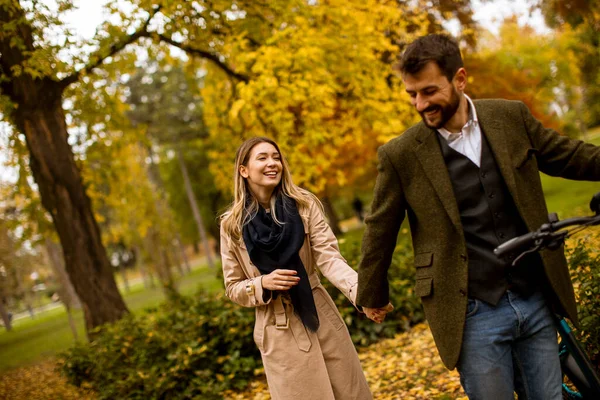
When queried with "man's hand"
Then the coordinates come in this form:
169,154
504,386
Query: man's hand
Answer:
378,314
280,279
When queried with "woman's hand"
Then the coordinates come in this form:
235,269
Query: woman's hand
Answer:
280,279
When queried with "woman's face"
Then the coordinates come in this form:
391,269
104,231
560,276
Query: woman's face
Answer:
264,168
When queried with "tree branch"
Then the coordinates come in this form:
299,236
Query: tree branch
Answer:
204,54
98,58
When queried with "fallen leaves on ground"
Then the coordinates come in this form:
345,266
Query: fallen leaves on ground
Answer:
405,367
39,381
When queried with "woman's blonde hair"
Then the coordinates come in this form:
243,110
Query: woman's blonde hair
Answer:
245,205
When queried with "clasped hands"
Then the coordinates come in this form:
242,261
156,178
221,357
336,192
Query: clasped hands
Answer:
378,314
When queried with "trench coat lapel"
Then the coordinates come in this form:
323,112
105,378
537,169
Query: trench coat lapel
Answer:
492,128
430,156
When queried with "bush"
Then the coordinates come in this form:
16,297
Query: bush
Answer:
584,266
408,309
187,348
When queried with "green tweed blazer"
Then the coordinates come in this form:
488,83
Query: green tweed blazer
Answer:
413,180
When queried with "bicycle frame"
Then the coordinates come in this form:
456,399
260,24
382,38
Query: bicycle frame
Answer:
578,368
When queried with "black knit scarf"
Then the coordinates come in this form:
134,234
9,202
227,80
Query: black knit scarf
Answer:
272,246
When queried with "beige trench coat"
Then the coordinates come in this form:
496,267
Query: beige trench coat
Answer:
301,364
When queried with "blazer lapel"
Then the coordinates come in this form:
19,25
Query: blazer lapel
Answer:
494,132
430,156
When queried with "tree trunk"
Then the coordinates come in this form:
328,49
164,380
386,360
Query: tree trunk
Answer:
26,292
72,323
334,221
6,320
123,272
66,292
195,209
63,195
147,276
40,117
161,261
184,257
177,260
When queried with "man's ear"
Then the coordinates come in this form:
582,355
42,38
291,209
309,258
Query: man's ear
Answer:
243,171
460,79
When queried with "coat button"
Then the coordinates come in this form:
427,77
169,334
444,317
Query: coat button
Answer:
462,292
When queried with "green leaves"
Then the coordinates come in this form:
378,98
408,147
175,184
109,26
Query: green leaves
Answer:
584,266
189,347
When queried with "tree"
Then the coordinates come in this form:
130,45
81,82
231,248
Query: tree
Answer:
321,85
538,69
32,100
130,210
584,17
169,104
15,263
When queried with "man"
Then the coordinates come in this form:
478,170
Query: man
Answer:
467,176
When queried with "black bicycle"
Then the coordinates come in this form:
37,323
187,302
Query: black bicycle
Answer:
574,362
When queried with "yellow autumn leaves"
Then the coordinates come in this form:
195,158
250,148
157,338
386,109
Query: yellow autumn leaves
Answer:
321,84
406,367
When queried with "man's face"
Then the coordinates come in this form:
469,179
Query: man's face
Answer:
435,98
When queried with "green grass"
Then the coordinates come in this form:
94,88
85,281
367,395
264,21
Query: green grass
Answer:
570,198
32,340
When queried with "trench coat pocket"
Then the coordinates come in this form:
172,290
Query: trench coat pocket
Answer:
330,311
259,328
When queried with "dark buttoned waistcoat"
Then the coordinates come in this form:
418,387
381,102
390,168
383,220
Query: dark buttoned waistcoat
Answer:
489,218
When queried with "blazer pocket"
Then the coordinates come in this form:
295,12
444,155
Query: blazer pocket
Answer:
423,259
522,159
424,287
424,265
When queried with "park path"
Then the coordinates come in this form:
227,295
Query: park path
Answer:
135,279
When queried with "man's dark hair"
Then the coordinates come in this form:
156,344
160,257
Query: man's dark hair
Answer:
439,48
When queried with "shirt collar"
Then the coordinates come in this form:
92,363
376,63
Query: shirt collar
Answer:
472,119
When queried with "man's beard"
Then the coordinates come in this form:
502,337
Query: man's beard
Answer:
447,111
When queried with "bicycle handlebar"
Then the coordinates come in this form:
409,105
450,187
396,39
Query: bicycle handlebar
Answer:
546,234
515,244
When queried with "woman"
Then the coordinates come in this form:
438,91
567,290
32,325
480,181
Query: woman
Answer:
273,238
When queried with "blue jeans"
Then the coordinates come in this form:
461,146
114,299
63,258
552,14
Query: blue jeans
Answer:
510,347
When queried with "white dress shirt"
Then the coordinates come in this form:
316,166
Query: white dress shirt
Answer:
468,141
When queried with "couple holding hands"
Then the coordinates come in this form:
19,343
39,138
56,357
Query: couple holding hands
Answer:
467,177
